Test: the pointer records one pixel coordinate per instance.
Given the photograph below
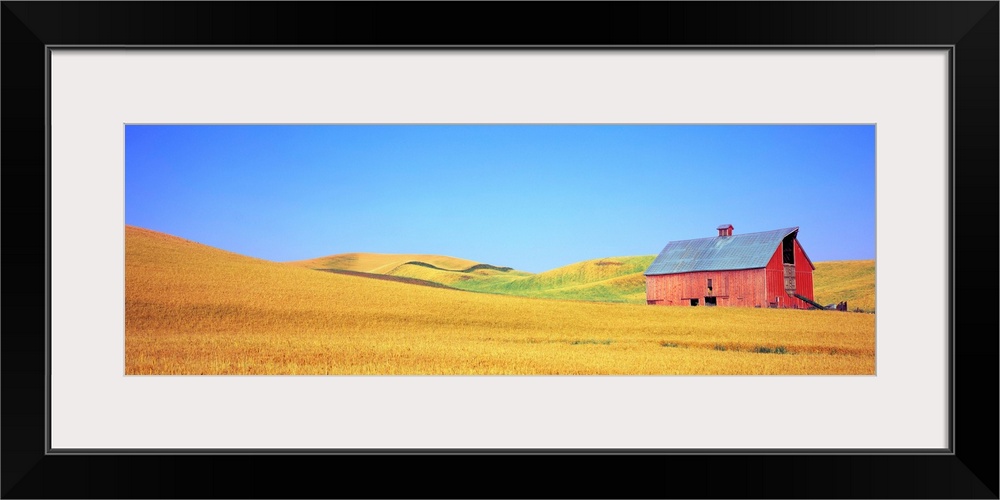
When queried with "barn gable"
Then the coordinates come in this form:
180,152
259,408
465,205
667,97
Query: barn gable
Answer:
723,252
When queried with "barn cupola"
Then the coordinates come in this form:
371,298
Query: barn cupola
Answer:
725,230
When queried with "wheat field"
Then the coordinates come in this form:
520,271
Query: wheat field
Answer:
196,310
610,279
850,280
378,263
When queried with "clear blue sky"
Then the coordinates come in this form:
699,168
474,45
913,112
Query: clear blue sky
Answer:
533,197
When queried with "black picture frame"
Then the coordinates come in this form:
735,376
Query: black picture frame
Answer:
970,29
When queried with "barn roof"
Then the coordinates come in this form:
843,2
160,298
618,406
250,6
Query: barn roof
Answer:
739,251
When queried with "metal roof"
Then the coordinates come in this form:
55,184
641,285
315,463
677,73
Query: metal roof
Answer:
739,251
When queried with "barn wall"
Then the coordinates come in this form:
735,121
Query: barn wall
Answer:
743,288
803,274
776,280
775,274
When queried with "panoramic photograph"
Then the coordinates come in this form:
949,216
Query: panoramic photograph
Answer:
499,249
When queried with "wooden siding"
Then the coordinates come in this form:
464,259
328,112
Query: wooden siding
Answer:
803,274
738,288
777,296
789,278
775,275
743,288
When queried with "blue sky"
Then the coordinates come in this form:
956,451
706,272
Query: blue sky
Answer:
532,197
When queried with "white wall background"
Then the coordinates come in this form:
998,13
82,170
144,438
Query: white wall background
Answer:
94,93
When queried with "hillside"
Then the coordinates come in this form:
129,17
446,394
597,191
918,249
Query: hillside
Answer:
379,263
194,309
611,279
850,280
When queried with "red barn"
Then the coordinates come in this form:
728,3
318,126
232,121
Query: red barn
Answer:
767,269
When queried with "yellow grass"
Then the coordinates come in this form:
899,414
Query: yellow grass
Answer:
610,279
379,263
193,309
452,278
851,280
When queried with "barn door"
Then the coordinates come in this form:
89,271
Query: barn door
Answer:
790,278
788,259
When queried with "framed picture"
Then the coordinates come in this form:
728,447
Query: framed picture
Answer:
129,85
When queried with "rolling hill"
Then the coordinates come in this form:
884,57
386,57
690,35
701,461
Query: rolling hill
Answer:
195,309
611,279
850,280
379,263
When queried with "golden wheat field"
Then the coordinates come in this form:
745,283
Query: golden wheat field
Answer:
852,280
381,263
194,309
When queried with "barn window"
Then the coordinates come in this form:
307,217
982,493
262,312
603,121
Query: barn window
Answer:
709,283
788,249
694,302
710,301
